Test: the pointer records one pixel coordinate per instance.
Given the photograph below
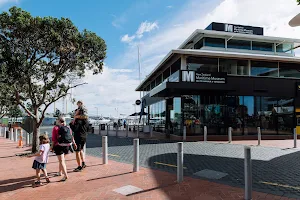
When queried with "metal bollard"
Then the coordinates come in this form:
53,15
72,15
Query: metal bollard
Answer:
27,139
151,131
184,133
15,135
205,134
258,135
104,150
248,173
229,134
295,138
117,130
180,162
127,129
136,155
11,134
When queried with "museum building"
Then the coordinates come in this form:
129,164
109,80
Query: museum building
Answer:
227,75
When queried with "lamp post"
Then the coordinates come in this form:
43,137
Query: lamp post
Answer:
97,111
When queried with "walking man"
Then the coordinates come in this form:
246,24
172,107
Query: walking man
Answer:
80,128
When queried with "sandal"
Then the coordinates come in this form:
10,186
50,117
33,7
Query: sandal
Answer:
47,179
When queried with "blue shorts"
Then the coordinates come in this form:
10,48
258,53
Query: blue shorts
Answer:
37,165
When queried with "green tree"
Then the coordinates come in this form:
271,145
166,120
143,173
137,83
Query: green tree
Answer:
42,58
298,1
7,100
15,112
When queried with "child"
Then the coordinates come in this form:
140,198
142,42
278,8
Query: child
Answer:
41,159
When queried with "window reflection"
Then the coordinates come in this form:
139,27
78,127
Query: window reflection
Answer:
289,70
261,68
236,67
202,64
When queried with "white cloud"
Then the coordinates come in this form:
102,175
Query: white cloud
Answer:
143,28
170,6
127,39
146,27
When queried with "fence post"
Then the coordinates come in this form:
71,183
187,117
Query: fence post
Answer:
136,155
184,133
11,134
27,139
180,162
295,138
229,134
15,134
104,150
259,135
248,173
205,134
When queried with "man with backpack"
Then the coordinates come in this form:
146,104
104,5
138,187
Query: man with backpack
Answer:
62,139
80,127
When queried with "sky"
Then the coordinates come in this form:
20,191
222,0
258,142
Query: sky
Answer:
155,27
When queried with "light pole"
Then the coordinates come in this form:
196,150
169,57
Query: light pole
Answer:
97,111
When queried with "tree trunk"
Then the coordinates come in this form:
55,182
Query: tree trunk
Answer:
36,133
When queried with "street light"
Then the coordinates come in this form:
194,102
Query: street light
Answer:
97,111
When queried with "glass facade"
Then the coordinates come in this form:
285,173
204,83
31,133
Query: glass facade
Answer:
218,112
235,67
262,68
214,42
289,70
262,46
239,44
202,64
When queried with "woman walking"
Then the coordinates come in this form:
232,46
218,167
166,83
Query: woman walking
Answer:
62,140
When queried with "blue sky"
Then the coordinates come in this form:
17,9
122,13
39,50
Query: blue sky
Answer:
155,26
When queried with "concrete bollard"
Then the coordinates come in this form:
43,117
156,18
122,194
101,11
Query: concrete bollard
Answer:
229,134
258,135
104,150
5,132
15,135
127,129
184,133
248,173
295,138
136,155
11,134
180,162
84,151
27,139
138,131
205,134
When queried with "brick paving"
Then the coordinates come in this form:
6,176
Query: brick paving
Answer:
98,181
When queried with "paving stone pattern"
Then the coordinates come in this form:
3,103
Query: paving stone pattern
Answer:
270,165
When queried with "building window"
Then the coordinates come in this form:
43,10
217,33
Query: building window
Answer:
214,42
202,64
199,44
235,67
262,46
166,74
239,44
284,48
261,68
289,70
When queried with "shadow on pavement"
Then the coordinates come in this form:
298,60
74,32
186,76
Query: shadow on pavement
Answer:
109,176
279,176
15,184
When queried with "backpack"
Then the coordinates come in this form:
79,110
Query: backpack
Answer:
64,135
